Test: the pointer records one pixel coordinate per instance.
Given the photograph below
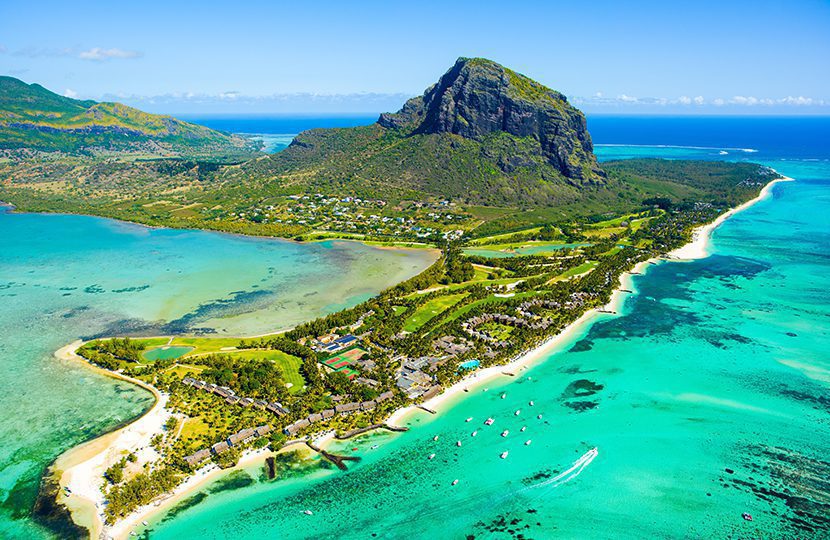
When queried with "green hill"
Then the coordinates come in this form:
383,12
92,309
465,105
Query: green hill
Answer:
34,118
483,134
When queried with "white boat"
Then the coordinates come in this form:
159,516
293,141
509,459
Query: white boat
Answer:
523,428
489,422
470,419
518,411
539,417
374,447
458,443
503,396
505,433
531,403
503,454
308,512
454,482
474,433
144,523
527,442
431,456
435,438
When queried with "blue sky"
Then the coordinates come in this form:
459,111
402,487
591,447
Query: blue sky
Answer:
701,57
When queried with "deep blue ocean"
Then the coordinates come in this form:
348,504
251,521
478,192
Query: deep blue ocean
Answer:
771,136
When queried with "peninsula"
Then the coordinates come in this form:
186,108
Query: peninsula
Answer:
492,168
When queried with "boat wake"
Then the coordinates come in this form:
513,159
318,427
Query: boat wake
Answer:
568,475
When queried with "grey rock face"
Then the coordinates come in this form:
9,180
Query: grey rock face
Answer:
478,97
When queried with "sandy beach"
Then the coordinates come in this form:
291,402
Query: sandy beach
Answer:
81,468
698,248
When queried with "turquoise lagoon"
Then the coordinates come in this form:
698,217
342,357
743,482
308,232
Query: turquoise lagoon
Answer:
69,277
707,397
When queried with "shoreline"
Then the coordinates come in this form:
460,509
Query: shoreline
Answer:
698,248
10,208
77,503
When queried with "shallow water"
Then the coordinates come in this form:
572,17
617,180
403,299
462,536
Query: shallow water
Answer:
65,277
706,398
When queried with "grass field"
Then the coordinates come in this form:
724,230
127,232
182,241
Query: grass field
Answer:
289,365
581,269
194,427
511,249
430,309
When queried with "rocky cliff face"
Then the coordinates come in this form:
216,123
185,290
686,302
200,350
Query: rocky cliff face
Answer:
478,97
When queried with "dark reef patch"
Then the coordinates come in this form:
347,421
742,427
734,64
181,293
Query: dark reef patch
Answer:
582,406
796,486
180,507
581,388
52,515
514,527
235,480
582,345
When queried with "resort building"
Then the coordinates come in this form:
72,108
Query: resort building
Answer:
241,437
197,457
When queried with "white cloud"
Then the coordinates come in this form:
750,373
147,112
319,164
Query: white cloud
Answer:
698,100
70,93
718,102
799,101
744,100
627,99
685,100
98,54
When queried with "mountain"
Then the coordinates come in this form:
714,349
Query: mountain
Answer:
35,118
482,134
477,98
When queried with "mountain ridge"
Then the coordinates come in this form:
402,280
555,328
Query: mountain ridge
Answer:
482,134
36,118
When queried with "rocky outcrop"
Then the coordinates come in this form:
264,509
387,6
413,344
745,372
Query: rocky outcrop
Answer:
477,98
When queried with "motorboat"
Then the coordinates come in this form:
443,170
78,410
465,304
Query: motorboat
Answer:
489,422
505,433
503,454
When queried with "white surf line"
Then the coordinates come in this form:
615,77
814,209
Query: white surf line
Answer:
574,471
677,146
